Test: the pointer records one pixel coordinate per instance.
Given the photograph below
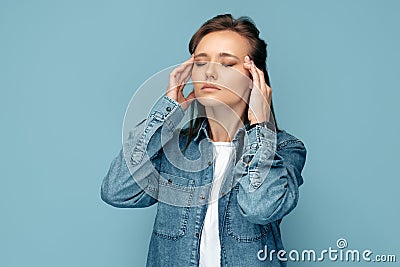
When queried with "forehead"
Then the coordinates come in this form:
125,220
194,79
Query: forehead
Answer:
216,42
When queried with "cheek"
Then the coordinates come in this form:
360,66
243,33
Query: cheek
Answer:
197,76
238,82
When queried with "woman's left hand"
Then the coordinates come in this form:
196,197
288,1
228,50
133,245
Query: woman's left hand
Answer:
260,95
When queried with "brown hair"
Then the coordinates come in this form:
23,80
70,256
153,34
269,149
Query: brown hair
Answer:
258,53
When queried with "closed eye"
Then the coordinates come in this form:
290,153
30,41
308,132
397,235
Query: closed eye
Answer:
200,63
227,65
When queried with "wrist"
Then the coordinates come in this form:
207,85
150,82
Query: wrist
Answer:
265,124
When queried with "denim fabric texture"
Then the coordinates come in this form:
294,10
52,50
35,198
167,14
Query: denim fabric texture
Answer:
260,188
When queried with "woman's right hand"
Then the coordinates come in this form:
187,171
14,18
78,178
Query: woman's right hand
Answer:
177,81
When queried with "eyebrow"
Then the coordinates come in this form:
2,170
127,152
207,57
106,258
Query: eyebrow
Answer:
221,54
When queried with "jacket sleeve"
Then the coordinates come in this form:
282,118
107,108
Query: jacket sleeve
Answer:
134,171
269,176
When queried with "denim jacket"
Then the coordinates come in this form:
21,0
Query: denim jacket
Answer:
261,186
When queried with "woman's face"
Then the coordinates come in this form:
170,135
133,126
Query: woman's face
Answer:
218,60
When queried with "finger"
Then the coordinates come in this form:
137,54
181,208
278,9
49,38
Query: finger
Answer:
264,89
184,77
269,89
172,80
247,63
190,97
260,75
178,74
187,72
262,80
254,73
264,86
181,97
184,70
185,64
269,94
175,76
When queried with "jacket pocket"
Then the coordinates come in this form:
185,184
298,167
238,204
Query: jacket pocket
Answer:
238,227
174,199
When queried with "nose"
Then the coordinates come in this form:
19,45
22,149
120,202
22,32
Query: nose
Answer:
211,71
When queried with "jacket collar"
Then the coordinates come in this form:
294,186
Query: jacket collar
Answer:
203,131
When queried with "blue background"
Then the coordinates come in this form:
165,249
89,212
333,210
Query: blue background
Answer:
68,70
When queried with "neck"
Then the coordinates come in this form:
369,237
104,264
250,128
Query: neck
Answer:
224,122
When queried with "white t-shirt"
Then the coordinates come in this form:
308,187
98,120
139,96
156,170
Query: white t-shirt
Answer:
210,247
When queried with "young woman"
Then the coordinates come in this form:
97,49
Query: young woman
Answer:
225,180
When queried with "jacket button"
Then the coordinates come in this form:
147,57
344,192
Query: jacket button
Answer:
209,163
202,197
197,234
168,108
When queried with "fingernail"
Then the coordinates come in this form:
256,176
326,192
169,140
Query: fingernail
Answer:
247,58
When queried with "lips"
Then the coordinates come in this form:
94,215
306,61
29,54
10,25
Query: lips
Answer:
209,86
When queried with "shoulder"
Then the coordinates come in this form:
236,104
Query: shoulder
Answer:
291,149
285,138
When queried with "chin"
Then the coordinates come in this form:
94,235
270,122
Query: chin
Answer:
208,101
